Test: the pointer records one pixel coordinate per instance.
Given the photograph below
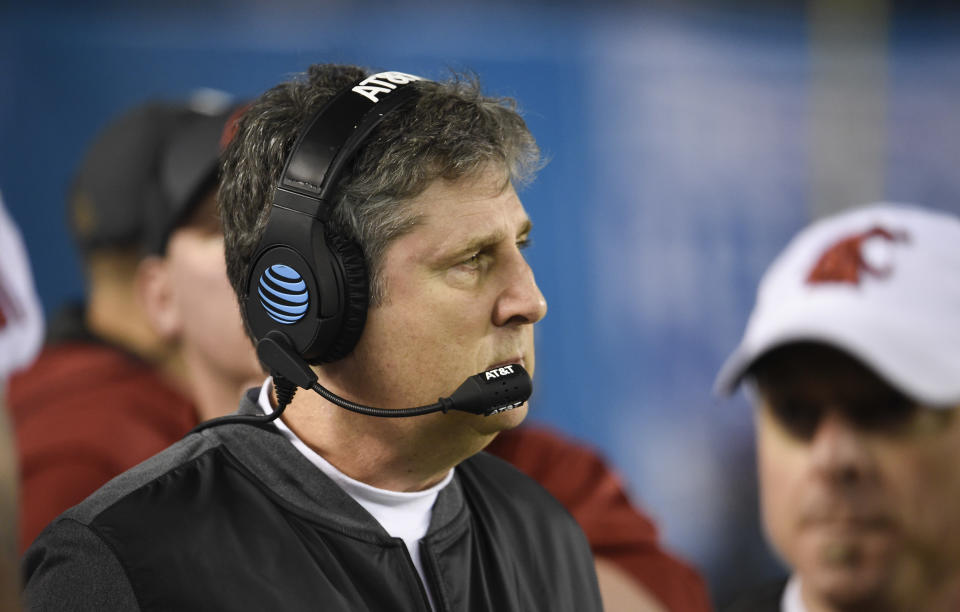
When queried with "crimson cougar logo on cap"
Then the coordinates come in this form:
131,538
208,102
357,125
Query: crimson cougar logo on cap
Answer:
844,261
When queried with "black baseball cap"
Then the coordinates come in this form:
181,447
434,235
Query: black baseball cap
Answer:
143,175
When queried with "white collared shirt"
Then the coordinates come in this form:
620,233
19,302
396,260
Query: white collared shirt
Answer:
792,601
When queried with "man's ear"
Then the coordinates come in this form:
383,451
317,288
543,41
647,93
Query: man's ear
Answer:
155,291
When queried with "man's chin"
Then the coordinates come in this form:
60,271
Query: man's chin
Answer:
847,576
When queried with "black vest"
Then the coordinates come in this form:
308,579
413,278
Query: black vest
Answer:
236,518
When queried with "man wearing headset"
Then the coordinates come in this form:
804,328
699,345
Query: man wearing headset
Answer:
327,507
76,431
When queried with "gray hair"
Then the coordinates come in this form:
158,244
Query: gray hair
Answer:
451,131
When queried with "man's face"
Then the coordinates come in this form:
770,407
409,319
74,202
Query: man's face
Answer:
860,489
202,302
460,299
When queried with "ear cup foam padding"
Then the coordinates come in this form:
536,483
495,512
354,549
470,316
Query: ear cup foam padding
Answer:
356,295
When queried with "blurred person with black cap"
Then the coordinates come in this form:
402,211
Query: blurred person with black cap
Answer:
852,358
126,374
21,333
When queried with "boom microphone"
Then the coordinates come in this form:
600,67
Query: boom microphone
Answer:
487,393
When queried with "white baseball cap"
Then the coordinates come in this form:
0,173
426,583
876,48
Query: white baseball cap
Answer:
21,318
881,283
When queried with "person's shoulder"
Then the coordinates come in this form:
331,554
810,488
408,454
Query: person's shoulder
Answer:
73,369
61,364
74,569
88,534
195,495
511,489
124,493
82,389
763,598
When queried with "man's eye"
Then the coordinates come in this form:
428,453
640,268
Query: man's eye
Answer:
524,243
889,413
798,417
886,414
473,261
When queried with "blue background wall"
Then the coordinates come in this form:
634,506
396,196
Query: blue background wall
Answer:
687,145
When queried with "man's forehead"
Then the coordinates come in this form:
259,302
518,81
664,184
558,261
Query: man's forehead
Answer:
489,183
471,205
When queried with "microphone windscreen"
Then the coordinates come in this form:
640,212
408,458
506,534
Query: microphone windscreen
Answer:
498,389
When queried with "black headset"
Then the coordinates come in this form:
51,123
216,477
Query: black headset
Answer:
306,281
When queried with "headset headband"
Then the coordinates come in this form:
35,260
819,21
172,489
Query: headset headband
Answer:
334,135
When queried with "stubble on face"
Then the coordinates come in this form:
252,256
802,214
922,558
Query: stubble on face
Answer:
459,299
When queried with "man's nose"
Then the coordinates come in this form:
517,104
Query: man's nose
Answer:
520,301
839,450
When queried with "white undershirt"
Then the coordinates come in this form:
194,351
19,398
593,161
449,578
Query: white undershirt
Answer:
791,600
402,515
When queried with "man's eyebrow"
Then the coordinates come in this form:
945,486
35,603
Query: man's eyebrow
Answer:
480,243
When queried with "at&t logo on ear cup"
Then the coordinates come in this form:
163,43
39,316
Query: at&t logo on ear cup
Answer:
283,294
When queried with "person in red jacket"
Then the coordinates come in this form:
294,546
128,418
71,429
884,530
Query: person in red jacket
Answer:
126,374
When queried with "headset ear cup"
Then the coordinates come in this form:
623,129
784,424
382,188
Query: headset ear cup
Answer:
357,295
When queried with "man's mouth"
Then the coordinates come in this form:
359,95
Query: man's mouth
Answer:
847,521
499,364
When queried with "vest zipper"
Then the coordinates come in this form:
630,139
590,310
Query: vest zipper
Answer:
416,576
430,569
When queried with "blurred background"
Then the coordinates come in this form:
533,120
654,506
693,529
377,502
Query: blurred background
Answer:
688,141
